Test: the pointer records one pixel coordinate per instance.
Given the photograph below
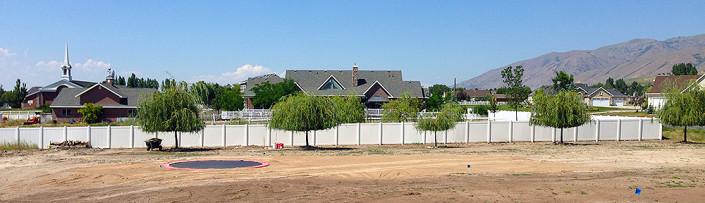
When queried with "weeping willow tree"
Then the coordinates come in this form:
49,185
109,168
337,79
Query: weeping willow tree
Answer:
348,109
304,113
446,119
683,107
563,110
172,110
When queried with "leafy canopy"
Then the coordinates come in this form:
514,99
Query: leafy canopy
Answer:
91,113
303,113
684,69
446,119
516,91
563,110
406,108
348,109
266,94
683,107
229,100
563,82
173,110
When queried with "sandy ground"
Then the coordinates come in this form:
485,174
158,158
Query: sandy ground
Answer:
524,172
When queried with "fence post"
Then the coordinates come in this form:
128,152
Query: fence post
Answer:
110,137
314,138
180,139
66,134
619,129
336,134
291,136
575,134
533,133
660,130
88,135
445,137
553,135
132,136
467,132
380,133
424,137
641,128
597,131
41,137
203,137
511,130
489,131
269,137
358,134
223,134
17,134
247,134
402,133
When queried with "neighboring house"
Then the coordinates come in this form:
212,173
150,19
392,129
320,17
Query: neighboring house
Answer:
595,96
246,87
657,94
118,102
475,95
37,96
373,87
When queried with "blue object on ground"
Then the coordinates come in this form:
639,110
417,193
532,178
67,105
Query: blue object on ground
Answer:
468,166
638,191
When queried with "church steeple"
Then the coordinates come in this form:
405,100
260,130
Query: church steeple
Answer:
66,68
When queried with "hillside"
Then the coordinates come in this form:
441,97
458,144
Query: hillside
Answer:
636,58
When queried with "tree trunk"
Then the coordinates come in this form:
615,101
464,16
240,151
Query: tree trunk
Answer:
435,143
685,134
176,138
307,139
561,135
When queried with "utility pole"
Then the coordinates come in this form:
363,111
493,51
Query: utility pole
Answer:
452,97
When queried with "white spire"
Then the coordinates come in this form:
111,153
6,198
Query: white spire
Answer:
66,59
66,68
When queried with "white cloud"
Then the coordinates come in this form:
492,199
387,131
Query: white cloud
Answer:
92,66
47,66
6,53
242,73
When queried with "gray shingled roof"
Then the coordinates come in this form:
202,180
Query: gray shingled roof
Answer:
311,80
67,96
251,82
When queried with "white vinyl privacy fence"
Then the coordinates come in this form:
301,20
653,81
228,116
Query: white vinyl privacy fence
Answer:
345,134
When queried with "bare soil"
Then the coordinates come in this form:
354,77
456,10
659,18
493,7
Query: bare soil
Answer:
524,172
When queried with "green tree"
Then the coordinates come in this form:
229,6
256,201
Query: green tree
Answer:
434,102
2,91
205,92
621,86
303,113
266,94
438,89
684,69
405,108
447,118
9,97
563,81
563,110
609,83
91,113
230,100
348,109
173,110
683,108
516,91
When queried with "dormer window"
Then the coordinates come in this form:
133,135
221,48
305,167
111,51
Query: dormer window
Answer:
600,93
331,84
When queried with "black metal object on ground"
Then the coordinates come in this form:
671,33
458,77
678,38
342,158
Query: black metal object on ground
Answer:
214,164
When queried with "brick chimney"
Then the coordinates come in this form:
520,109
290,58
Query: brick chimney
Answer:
110,78
354,76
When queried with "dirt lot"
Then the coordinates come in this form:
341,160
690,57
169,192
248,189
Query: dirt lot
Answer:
525,172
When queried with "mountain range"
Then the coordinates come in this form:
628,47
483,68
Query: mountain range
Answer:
631,59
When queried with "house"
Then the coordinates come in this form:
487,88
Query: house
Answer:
246,86
601,96
657,94
118,102
374,87
474,95
37,96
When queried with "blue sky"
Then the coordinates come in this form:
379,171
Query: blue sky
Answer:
227,41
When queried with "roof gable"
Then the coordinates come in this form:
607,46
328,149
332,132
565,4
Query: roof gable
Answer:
680,81
100,85
382,86
331,83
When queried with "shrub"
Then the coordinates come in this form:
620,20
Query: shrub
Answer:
480,109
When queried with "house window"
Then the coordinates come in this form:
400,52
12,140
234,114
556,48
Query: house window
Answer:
330,85
66,112
132,112
600,93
